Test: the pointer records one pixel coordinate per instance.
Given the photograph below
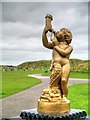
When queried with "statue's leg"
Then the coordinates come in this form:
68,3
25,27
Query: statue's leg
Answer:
64,79
55,75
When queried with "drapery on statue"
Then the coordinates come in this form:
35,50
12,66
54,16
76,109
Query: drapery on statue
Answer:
54,98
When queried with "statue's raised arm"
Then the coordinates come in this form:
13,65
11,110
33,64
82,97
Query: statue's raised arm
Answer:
45,40
48,27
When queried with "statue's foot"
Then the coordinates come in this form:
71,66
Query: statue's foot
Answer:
64,98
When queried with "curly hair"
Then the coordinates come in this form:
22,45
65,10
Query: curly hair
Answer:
67,35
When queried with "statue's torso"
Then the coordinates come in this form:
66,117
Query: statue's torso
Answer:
59,58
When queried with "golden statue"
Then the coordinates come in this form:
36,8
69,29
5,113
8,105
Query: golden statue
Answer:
53,100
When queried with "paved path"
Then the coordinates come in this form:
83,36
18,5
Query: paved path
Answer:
27,99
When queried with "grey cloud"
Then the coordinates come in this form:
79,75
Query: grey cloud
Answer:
28,12
82,8
19,30
22,56
23,24
21,12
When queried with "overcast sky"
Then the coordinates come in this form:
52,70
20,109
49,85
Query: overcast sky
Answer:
23,23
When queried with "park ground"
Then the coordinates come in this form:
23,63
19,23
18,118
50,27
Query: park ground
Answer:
27,99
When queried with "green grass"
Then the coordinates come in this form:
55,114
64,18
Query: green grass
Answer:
78,96
81,75
15,81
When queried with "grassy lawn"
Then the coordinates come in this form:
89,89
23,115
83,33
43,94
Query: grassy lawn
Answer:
78,96
81,75
15,81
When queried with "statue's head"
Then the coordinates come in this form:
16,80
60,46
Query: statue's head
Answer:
64,35
67,35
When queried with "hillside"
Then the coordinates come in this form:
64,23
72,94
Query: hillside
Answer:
36,64
76,65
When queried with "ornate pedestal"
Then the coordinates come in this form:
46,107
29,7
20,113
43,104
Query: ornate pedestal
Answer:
53,108
52,103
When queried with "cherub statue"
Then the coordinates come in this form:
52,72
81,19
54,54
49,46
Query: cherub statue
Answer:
60,67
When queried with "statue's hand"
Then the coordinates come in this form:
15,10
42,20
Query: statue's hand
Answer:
48,29
55,42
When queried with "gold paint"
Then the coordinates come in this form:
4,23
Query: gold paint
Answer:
53,108
54,98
